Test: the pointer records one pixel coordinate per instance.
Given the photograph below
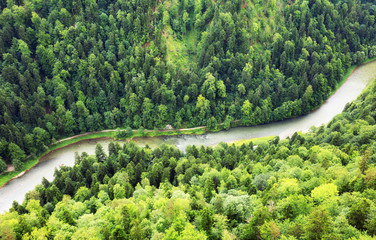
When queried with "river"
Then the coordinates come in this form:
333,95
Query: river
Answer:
358,80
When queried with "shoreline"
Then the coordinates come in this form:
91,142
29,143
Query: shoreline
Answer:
110,134
104,134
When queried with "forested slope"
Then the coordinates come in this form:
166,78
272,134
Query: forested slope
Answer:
320,185
69,67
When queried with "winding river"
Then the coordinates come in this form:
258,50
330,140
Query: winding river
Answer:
17,188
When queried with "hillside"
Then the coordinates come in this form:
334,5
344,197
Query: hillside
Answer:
320,185
70,67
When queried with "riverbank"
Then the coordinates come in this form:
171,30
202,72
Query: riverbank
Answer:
32,161
348,74
111,133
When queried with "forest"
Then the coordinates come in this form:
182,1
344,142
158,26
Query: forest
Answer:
71,67
318,185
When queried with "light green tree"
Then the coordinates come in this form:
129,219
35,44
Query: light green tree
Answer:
324,191
247,113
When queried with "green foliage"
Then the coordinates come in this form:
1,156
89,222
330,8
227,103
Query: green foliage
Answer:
324,192
16,152
289,189
127,133
269,231
68,68
260,181
17,164
359,213
3,166
318,224
169,194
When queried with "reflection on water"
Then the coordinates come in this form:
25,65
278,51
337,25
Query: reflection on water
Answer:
16,189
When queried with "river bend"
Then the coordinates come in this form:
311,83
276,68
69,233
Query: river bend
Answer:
358,80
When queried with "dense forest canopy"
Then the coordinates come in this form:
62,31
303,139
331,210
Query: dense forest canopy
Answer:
70,67
320,185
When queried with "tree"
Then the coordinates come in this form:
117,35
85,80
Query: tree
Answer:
318,224
119,191
358,214
147,113
269,230
212,124
206,221
99,153
208,189
363,163
128,132
69,186
209,87
241,89
134,104
221,89
227,122
162,115
203,107
17,164
141,131
109,120
259,217
16,152
41,138
69,123
82,111
190,233
260,181
324,192
7,231
3,165
371,226
178,121
82,194
118,233
247,113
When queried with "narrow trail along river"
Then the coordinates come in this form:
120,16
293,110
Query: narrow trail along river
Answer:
17,188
